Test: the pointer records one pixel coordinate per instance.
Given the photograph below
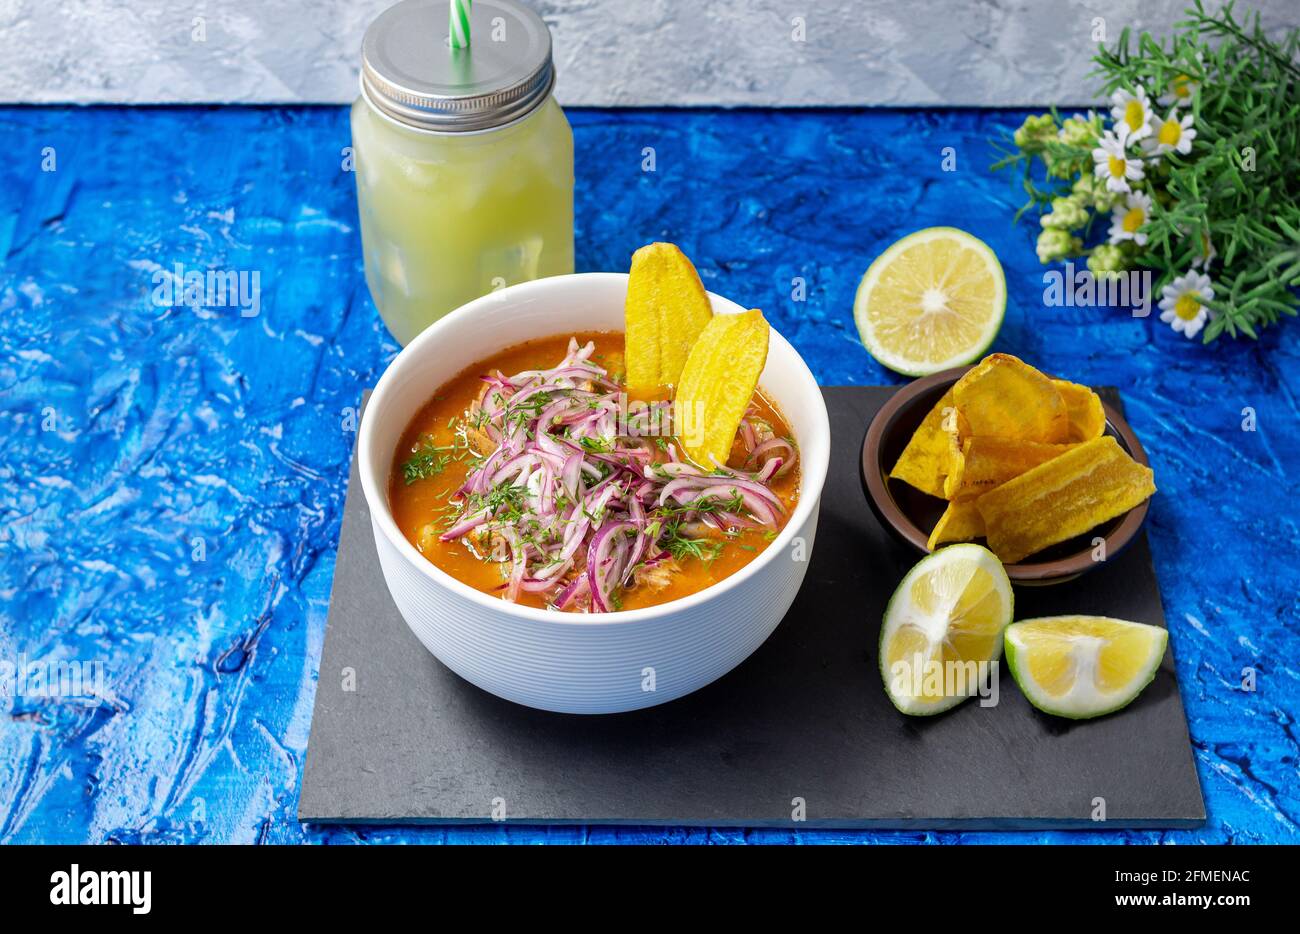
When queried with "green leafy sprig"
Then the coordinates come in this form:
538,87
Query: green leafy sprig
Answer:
1231,205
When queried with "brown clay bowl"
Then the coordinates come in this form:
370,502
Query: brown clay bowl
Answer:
910,514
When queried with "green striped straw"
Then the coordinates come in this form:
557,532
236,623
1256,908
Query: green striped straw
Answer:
459,14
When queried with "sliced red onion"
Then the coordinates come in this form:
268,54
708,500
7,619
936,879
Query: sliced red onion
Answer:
549,580
744,485
674,469
574,591
747,437
518,562
770,469
773,447
513,468
571,476
601,574
588,515
465,526
638,519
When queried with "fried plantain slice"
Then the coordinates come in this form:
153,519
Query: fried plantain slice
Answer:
927,459
986,463
1064,497
717,383
665,311
1004,397
960,522
1083,406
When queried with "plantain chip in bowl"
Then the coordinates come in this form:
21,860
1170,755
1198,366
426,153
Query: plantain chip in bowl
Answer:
960,522
1063,497
930,452
1004,397
986,463
1022,459
1083,406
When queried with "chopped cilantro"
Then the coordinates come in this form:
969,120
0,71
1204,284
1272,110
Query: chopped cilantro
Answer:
429,460
596,445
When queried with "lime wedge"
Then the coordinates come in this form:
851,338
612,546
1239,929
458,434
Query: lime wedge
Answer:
933,300
1083,666
942,627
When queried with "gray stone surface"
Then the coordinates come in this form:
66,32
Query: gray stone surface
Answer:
616,52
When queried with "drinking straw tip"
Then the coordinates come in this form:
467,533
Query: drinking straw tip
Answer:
458,14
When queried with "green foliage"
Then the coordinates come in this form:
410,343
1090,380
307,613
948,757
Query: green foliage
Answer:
1235,195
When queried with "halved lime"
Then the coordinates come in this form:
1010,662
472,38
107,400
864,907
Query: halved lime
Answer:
943,628
933,300
1083,666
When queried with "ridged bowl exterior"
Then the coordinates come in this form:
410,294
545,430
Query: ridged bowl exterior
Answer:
599,668
580,663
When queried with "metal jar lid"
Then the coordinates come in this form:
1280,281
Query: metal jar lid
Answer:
410,72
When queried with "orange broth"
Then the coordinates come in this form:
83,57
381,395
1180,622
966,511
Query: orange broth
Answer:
420,508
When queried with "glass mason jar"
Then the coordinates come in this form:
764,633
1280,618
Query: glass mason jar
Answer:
464,161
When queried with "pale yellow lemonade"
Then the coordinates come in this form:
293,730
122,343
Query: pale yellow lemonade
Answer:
449,217
463,159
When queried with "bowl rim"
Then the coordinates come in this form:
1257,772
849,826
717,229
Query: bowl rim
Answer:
375,489
876,485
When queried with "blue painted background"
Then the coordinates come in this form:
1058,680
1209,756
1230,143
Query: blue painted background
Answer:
171,425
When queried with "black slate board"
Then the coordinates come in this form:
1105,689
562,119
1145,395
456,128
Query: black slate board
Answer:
805,717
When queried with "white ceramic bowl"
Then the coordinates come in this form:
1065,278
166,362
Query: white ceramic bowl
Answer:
570,662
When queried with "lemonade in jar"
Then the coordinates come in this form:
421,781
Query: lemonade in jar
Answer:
464,161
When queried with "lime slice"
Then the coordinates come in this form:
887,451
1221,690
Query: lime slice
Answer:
942,626
933,300
1083,666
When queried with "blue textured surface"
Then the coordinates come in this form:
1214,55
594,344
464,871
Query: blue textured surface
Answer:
176,425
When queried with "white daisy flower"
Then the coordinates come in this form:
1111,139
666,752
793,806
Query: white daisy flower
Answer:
1172,134
1112,162
1182,88
1127,218
1132,112
1183,303
1208,254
